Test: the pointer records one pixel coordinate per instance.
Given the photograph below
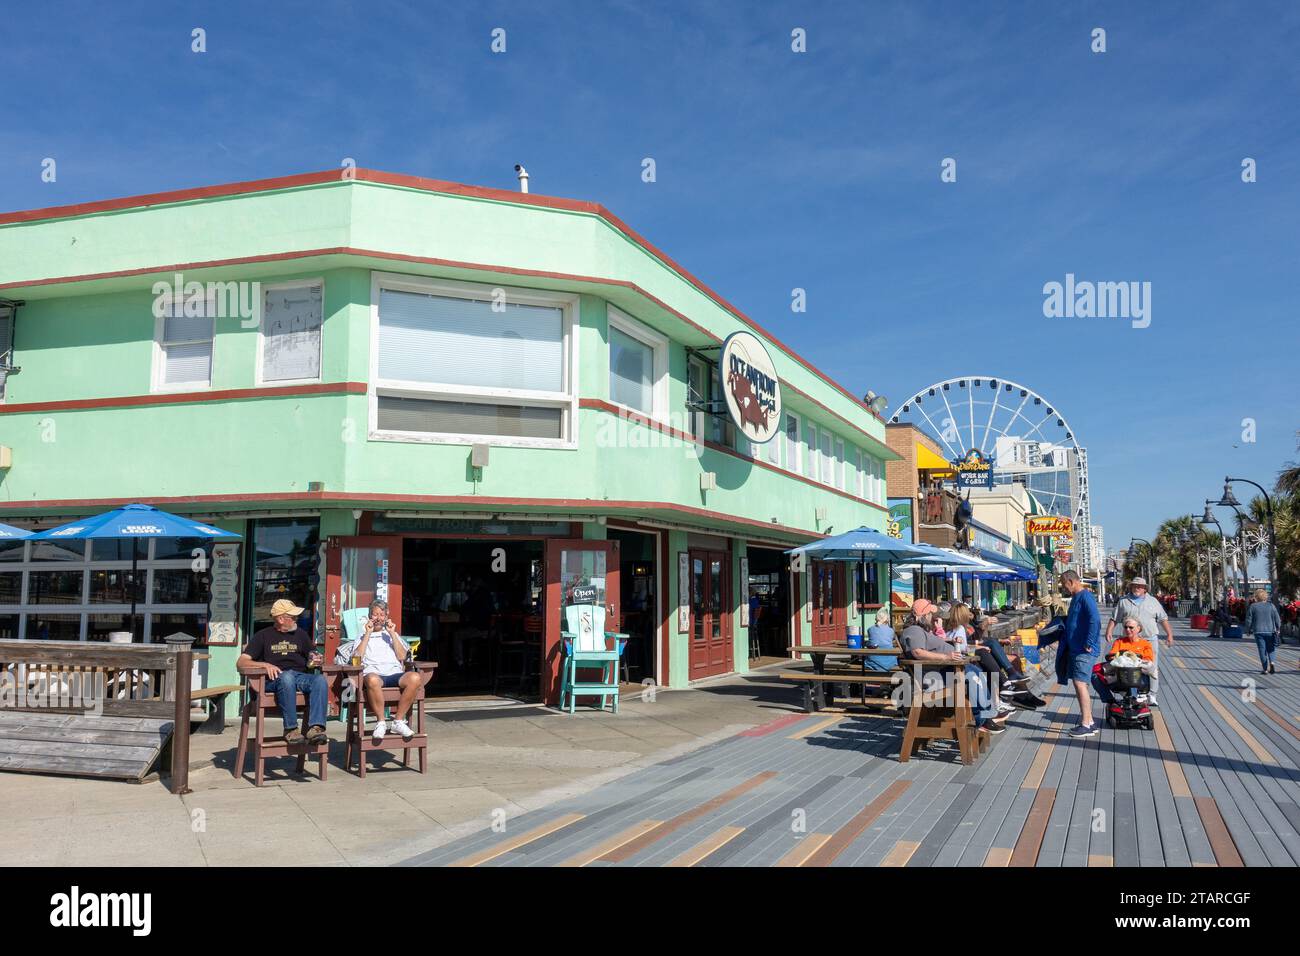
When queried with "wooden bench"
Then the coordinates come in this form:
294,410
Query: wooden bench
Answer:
810,681
215,698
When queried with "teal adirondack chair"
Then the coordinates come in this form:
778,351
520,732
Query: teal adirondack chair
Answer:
584,640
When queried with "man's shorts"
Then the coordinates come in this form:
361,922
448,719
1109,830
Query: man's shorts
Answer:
389,680
1081,666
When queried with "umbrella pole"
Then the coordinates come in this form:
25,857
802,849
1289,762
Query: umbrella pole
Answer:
134,565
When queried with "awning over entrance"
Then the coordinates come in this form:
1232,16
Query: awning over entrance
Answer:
929,461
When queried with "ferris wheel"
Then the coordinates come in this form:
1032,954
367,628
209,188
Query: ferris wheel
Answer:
1025,437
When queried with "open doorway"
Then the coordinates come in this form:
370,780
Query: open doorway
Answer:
476,606
638,568
769,606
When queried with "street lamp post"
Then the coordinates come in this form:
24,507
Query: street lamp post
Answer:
1230,500
1208,519
1151,577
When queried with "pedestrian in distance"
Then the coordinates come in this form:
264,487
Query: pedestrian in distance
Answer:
1082,637
1264,624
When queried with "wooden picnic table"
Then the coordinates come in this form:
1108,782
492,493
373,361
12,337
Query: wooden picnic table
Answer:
819,653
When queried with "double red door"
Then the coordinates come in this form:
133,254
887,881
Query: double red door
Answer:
826,579
711,643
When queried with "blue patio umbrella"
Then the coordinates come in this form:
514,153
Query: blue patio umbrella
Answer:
867,544
9,532
134,521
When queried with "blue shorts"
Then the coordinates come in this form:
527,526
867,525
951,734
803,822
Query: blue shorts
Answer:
389,680
1081,666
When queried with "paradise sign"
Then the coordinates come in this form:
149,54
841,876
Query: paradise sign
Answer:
1054,525
974,470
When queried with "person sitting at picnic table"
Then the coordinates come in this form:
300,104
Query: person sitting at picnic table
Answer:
383,654
284,652
920,643
880,635
1130,642
962,634
1012,676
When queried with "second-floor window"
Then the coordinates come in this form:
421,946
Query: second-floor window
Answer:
638,366
464,363
183,343
291,332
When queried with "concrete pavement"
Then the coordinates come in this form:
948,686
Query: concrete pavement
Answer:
487,760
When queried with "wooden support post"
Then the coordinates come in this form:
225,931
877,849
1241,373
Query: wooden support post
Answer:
182,645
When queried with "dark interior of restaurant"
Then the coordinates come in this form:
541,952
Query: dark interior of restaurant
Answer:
476,607
769,603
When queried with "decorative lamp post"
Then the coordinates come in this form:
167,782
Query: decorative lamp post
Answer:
1230,500
1209,519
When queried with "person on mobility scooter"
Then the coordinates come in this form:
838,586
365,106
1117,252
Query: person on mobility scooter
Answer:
1123,681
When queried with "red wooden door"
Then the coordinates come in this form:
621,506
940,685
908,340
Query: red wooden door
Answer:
828,616
711,644
357,571
570,563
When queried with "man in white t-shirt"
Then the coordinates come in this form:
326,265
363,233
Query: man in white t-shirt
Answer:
383,654
1140,605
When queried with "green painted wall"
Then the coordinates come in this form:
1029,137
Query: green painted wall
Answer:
94,340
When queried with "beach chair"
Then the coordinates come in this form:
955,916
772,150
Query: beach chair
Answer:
587,645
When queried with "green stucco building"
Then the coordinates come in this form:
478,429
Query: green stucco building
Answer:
460,399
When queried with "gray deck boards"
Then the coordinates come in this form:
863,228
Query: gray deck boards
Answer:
1118,797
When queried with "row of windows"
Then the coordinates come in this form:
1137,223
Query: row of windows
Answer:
457,362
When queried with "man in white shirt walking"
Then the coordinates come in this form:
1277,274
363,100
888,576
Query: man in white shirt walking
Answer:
1151,615
383,653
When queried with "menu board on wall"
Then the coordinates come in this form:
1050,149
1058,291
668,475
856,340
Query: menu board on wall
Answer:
744,604
683,592
223,599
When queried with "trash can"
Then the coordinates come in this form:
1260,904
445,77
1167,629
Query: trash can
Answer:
1232,632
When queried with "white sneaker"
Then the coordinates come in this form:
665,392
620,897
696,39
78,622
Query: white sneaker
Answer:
404,729
381,728
1005,708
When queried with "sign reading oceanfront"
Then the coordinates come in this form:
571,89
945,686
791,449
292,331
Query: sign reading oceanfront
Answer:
751,387
974,470
1054,525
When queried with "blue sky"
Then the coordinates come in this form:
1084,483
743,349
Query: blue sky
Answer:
778,170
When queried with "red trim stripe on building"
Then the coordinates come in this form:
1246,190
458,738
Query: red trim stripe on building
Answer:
426,185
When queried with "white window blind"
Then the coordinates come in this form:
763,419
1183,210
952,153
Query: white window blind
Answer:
186,347
631,371
842,465
828,460
441,340
810,466
792,443
291,333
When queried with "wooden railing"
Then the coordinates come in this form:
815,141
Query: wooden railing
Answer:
116,680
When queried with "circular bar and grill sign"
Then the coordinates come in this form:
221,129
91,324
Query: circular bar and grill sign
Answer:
751,387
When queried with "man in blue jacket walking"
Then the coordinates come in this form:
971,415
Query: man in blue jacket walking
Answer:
1083,638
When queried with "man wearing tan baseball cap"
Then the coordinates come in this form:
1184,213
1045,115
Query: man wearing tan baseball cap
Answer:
284,652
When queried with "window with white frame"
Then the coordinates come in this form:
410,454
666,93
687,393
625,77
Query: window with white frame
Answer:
828,459
771,450
860,484
183,341
638,366
292,314
83,590
463,363
842,465
792,444
810,442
